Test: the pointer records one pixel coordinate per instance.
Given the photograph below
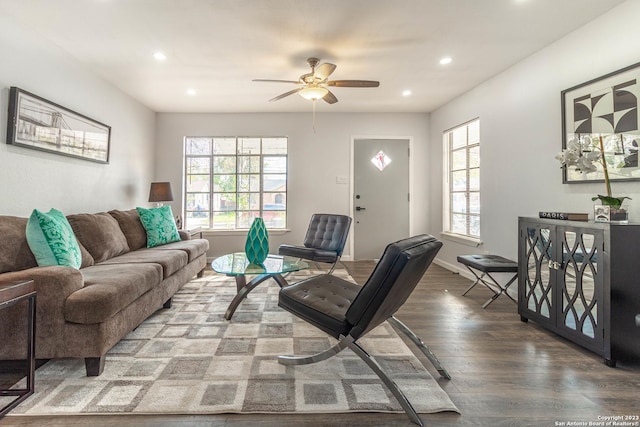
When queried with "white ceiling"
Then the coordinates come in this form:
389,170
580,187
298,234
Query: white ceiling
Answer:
218,46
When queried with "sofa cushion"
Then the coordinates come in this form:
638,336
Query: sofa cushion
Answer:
15,254
108,289
194,248
160,225
87,259
132,228
51,239
100,234
171,261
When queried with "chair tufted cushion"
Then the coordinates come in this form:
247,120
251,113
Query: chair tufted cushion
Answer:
322,301
328,232
399,270
339,307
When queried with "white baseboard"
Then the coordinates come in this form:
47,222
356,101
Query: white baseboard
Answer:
455,268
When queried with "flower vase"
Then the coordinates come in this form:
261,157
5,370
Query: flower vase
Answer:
257,246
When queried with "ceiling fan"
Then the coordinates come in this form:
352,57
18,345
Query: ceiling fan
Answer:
313,85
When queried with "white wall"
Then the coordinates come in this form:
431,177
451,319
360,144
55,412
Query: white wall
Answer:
33,179
314,160
520,131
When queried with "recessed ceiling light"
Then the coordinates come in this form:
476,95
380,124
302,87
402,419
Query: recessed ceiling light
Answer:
191,92
446,60
160,56
406,93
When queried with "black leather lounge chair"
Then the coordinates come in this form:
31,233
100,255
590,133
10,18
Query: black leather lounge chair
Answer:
348,311
324,241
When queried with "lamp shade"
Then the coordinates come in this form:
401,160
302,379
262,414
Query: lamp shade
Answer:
160,192
313,93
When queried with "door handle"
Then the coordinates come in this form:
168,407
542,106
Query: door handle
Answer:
358,208
555,265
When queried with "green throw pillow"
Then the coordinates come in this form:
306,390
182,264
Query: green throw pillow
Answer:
51,239
160,226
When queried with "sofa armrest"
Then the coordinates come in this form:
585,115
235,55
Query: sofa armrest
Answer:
53,285
52,282
184,234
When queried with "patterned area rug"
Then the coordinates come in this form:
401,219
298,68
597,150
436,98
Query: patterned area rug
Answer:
189,360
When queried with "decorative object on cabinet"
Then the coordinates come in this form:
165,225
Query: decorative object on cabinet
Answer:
579,281
566,216
606,106
606,213
584,155
37,123
257,244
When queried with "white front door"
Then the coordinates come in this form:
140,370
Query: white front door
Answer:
381,195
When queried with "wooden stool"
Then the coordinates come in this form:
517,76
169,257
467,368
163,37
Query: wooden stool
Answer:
487,264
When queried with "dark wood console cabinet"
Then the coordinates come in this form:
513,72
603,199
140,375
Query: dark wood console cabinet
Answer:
581,280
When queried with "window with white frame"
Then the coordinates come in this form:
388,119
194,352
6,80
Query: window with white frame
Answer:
229,181
462,187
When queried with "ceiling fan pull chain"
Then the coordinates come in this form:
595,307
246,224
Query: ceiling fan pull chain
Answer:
314,115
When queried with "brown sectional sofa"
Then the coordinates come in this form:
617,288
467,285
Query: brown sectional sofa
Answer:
83,313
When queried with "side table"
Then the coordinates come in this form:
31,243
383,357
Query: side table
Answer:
13,292
194,232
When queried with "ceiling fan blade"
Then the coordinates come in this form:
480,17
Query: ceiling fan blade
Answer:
291,92
324,70
276,81
330,98
353,83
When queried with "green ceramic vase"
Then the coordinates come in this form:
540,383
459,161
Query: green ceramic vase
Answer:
257,245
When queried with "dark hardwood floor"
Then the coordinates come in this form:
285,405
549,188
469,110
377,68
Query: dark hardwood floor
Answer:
504,372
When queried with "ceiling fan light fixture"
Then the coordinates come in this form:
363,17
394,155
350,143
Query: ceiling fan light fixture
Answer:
313,93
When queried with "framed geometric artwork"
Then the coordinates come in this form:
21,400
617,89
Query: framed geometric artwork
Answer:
37,123
606,106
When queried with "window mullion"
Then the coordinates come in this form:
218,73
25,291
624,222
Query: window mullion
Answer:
236,213
468,195
211,172
450,180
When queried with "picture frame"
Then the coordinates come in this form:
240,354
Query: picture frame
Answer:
606,106
39,124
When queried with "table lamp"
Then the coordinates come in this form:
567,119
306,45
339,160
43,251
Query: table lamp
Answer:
160,192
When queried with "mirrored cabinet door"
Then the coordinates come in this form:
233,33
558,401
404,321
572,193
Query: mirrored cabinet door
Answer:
536,292
580,284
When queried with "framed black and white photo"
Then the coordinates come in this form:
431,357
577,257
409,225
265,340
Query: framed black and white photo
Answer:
606,106
37,123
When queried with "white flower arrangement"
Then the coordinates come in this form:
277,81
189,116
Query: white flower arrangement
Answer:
584,154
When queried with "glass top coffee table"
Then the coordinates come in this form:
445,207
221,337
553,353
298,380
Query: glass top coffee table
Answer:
238,266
